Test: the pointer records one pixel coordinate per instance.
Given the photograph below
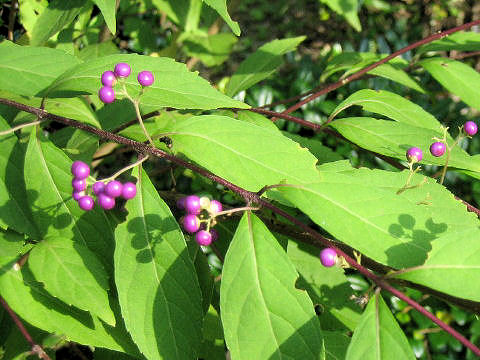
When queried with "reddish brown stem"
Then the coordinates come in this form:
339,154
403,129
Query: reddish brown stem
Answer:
250,197
35,348
362,72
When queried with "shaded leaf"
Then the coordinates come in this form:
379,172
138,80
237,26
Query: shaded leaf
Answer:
328,287
396,230
57,15
157,286
264,316
322,153
28,70
336,345
97,50
449,267
220,6
346,8
210,49
108,9
233,150
73,274
15,211
261,64
32,303
174,85
458,78
378,336
49,193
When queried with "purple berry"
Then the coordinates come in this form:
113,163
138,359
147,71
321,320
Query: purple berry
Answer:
79,184
86,203
77,195
98,188
192,204
203,238
470,128
108,78
214,234
181,203
106,95
145,78
122,70
106,202
80,170
113,188
438,148
191,223
414,154
328,257
129,190
215,206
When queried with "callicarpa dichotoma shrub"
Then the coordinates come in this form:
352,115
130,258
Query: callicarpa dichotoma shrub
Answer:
248,251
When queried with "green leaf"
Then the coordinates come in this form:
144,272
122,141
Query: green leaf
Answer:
94,51
157,286
108,9
204,275
73,274
460,41
210,49
393,139
396,230
29,11
174,85
261,64
257,119
378,336
346,8
28,70
336,345
56,213
321,152
11,244
352,62
176,10
457,77
57,15
15,211
32,303
220,6
453,262
264,316
231,149
394,106
326,286
397,74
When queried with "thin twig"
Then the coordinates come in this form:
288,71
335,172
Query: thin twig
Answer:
18,127
11,19
249,197
35,348
360,73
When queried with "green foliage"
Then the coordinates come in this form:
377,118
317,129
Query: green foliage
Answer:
378,335
260,320
261,64
129,284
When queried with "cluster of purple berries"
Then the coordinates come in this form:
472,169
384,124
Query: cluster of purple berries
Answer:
121,71
192,223
105,193
438,148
